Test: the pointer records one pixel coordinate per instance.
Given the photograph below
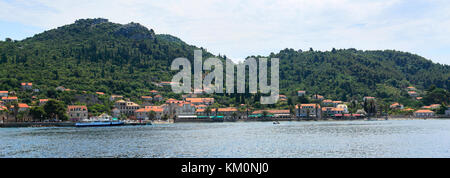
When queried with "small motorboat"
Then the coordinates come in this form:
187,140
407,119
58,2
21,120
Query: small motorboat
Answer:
276,122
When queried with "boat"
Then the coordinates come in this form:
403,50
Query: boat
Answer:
276,122
99,123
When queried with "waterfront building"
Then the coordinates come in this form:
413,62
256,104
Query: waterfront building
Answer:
424,113
282,97
308,110
77,112
336,103
3,93
327,102
433,106
144,113
126,107
274,113
301,93
447,112
343,107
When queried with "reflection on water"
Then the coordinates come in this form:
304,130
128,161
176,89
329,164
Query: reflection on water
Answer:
408,138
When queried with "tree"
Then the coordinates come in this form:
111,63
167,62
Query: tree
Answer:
38,113
442,109
265,114
55,109
152,115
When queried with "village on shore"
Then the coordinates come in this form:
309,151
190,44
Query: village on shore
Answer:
194,107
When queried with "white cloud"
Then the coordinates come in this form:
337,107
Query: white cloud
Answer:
240,28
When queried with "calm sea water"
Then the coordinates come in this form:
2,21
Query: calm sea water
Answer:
407,138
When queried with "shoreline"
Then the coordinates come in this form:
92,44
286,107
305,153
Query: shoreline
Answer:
72,124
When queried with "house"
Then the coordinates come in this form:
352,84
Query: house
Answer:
200,101
317,97
185,109
274,113
153,92
146,98
282,97
168,83
115,113
42,102
396,106
9,99
3,93
100,93
77,112
301,93
447,112
60,88
27,86
419,98
433,106
23,107
158,98
144,113
424,113
368,98
335,103
413,94
201,106
343,107
331,111
327,102
411,88
115,97
308,110
126,107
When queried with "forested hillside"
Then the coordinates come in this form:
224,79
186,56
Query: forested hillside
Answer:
98,55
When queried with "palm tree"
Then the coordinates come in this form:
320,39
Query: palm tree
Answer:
151,115
265,114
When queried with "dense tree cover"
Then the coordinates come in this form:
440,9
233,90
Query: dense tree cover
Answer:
352,74
96,55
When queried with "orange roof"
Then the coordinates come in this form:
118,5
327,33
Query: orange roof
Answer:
199,100
201,105
304,105
272,111
3,91
76,107
146,97
153,91
200,110
424,111
327,101
229,109
337,101
3,108
419,98
100,93
301,91
158,96
43,100
23,105
411,92
23,84
151,108
411,87
9,98
408,109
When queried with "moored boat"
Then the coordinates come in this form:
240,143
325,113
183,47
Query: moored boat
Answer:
99,123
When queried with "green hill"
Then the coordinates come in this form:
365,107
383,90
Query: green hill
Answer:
98,55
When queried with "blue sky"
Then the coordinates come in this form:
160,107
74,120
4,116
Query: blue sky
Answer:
240,28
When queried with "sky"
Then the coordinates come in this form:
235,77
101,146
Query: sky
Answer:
240,28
